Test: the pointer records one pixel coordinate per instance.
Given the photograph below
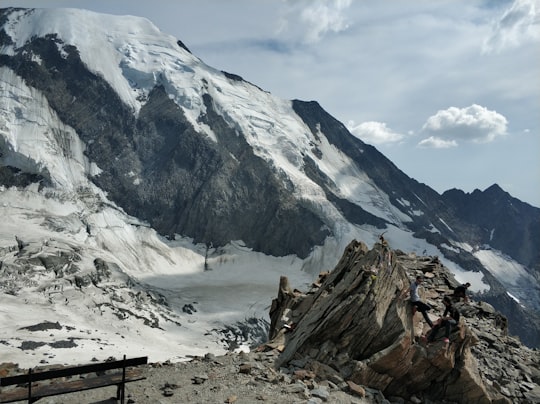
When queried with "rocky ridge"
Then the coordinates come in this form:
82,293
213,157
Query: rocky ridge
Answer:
355,324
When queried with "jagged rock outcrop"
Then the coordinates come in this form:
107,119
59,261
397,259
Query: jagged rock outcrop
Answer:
355,322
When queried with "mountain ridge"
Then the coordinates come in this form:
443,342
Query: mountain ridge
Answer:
498,213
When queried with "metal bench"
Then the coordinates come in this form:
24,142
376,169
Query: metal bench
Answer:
103,377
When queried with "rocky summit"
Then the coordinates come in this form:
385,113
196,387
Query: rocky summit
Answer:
356,325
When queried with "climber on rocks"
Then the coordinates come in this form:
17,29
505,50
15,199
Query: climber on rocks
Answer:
415,300
461,292
449,320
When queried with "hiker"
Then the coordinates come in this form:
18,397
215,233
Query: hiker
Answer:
446,321
461,292
416,302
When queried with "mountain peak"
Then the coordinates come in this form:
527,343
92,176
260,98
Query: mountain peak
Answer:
495,188
493,191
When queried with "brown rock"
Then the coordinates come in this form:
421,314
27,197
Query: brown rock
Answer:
356,389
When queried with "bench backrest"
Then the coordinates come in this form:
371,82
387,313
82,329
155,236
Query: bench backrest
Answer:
72,371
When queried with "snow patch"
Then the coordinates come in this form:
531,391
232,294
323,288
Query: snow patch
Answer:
505,269
448,247
404,202
433,229
513,297
448,227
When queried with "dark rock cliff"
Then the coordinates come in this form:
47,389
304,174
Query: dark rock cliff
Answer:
186,183
506,223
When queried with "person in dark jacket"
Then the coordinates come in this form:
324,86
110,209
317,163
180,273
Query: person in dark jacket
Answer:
461,292
449,319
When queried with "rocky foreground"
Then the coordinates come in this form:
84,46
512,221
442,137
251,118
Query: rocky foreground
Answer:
353,338
355,324
244,378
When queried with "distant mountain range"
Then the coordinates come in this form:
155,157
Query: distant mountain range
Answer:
102,114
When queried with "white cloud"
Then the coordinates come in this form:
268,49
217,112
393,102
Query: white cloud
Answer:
315,19
474,123
433,142
374,132
519,24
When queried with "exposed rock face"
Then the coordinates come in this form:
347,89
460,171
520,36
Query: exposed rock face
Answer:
186,183
355,322
506,223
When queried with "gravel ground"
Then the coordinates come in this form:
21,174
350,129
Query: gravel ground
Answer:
232,378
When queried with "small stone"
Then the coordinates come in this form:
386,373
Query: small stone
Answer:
209,357
295,388
168,392
357,389
302,374
199,379
321,393
245,368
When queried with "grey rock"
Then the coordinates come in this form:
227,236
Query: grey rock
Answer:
321,393
533,395
168,392
199,379
296,388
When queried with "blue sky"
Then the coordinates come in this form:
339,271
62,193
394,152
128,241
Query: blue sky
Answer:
449,90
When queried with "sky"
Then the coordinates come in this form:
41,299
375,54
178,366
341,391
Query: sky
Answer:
449,90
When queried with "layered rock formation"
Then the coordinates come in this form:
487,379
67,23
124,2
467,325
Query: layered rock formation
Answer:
355,322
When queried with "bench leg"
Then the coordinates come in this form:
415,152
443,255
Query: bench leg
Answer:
120,392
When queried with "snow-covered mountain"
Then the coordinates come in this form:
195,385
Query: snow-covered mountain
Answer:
151,202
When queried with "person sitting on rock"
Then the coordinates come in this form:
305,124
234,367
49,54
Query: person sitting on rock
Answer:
416,302
461,292
449,320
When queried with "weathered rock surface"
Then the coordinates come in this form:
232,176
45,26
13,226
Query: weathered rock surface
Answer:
355,325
